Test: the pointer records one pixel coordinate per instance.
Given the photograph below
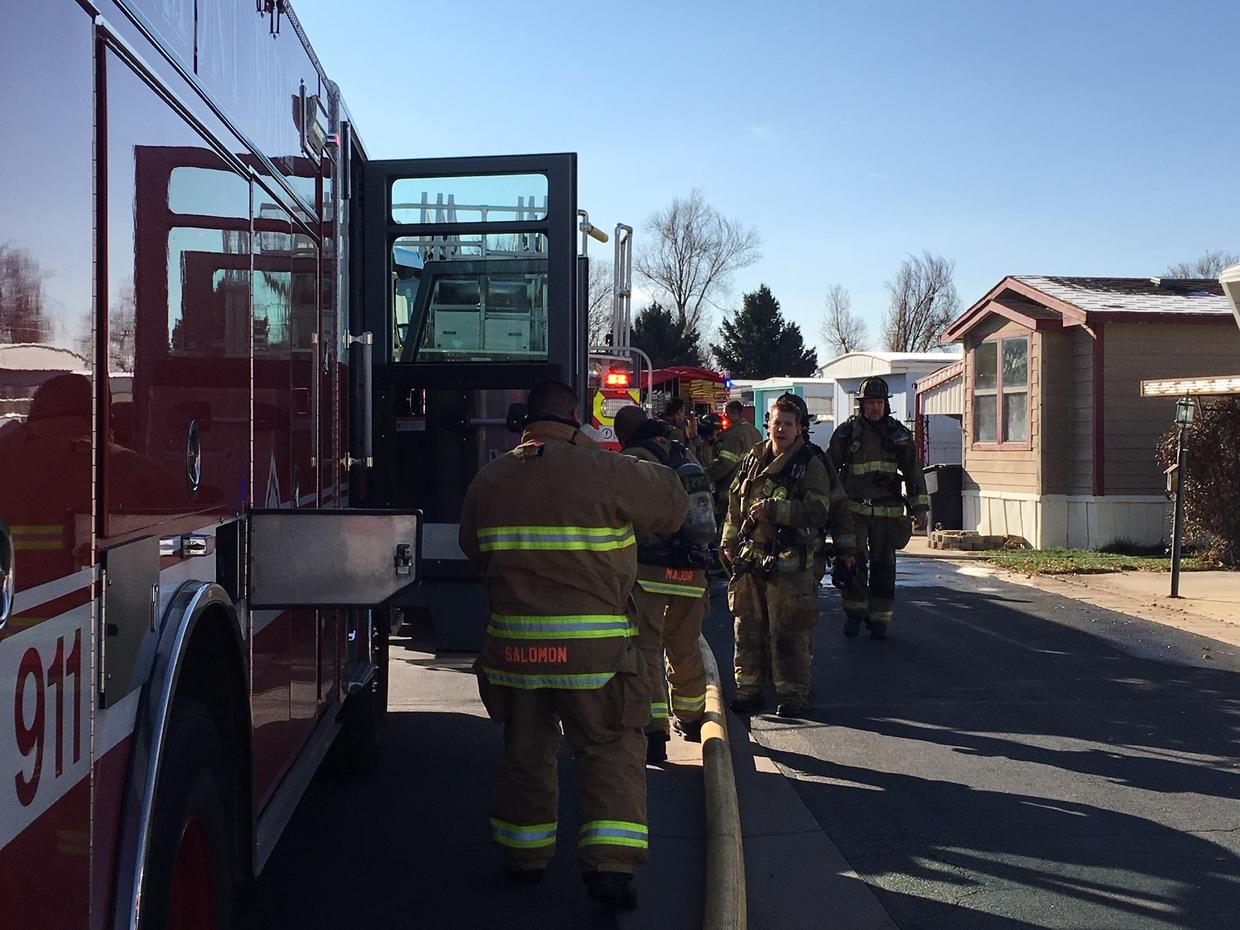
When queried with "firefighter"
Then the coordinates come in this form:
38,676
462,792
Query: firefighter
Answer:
671,598
707,442
679,423
873,452
781,499
734,442
551,527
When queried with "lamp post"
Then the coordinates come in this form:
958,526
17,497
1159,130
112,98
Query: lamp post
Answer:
1185,410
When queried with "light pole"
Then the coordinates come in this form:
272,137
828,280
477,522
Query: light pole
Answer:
1185,410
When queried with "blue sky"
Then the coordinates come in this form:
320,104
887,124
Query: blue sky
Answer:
1040,137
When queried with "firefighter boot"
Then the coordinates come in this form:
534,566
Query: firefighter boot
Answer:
691,730
656,747
747,705
792,706
852,626
611,889
878,631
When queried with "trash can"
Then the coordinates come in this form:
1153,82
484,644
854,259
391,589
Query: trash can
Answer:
944,485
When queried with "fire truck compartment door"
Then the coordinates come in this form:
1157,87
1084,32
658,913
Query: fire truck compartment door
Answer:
332,558
130,599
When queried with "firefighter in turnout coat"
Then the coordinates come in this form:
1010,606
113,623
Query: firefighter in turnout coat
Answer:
783,496
734,443
873,451
671,598
551,525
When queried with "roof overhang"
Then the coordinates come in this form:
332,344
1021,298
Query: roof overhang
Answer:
992,303
1182,387
941,376
1230,279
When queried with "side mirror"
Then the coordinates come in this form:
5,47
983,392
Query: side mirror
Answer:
516,418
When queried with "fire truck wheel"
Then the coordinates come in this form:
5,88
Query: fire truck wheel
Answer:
189,883
363,723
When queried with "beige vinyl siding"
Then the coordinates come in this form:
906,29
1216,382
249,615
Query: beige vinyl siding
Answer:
1078,424
1056,448
1003,469
1134,424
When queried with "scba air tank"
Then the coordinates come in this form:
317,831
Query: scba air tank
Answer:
698,530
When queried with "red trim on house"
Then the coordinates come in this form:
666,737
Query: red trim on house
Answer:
1099,414
1025,445
919,430
1072,314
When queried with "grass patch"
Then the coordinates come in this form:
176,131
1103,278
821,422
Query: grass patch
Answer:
1083,561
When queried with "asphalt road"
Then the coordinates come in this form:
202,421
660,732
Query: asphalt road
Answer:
1012,759
408,844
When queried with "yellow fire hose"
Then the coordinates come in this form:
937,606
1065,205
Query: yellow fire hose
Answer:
725,859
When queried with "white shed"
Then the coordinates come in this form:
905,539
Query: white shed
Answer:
898,369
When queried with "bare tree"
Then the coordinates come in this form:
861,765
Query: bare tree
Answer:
1207,266
842,330
22,316
923,302
694,250
598,302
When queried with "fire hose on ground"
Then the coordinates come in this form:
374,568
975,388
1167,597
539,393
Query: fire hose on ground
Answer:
725,907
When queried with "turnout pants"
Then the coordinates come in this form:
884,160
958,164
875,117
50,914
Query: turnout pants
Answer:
604,728
775,619
873,592
670,606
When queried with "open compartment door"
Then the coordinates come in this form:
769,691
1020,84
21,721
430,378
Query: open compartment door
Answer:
332,558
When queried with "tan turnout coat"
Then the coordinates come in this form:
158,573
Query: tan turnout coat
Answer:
552,527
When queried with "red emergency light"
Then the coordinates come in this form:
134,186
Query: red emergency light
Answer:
616,379
724,423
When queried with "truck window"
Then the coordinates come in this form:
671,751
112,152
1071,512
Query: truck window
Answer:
479,298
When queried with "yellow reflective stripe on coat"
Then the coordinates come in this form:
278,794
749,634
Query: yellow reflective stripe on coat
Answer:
728,456
562,538
658,710
614,833
845,542
879,465
667,587
572,626
522,836
875,510
919,500
689,701
587,681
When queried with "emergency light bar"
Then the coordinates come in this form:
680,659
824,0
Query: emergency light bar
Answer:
616,379
1178,387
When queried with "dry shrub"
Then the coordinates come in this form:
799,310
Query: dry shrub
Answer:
1212,479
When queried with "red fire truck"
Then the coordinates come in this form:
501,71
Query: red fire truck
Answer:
246,374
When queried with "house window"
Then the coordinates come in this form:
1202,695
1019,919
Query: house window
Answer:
1001,391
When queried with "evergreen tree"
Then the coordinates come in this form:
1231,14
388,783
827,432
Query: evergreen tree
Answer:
757,342
656,332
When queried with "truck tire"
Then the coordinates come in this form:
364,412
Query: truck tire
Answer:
363,722
190,869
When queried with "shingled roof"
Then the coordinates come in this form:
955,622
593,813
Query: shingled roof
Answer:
1139,295
1040,301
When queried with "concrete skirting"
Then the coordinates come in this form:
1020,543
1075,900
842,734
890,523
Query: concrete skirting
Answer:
1076,521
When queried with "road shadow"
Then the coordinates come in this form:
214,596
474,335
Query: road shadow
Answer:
408,845
1012,759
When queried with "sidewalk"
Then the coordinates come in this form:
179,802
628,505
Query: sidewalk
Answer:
1208,605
